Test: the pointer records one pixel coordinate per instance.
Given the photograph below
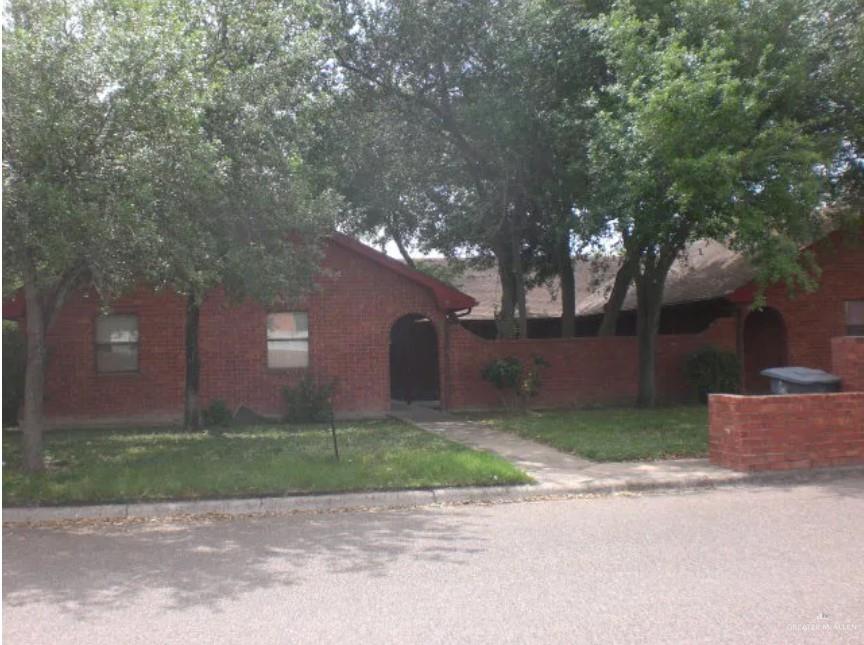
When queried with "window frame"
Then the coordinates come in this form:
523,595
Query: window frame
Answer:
847,326
305,340
97,344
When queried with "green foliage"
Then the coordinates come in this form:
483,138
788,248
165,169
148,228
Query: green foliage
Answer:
511,377
14,363
465,128
217,414
503,373
161,142
709,128
696,137
713,371
309,400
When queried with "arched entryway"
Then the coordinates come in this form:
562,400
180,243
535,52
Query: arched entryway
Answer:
764,345
414,374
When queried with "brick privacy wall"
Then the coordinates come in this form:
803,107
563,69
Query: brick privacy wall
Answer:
783,432
847,357
350,315
793,431
582,371
813,319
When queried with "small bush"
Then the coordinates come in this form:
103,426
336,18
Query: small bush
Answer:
713,371
503,373
14,363
217,414
308,401
513,379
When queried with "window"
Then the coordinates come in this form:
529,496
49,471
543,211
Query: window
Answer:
117,344
288,340
855,317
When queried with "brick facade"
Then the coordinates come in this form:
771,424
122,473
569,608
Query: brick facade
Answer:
359,296
811,320
350,315
581,371
793,431
75,390
847,357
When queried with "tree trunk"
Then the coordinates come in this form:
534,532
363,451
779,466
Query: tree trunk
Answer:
519,284
568,288
399,245
649,292
612,310
34,378
192,412
507,316
503,250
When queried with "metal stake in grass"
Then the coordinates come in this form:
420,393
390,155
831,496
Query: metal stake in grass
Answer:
333,432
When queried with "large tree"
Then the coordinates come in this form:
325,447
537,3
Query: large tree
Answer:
77,149
250,218
695,140
158,140
491,80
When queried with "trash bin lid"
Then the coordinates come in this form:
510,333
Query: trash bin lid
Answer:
800,375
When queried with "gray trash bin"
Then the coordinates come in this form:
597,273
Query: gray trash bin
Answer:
801,380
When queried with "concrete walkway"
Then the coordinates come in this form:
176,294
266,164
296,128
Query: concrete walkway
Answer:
556,471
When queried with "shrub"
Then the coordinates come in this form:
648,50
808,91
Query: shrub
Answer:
14,363
713,371
503,373
512,378
217,414
308,401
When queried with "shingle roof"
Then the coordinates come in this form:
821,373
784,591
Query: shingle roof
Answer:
707,271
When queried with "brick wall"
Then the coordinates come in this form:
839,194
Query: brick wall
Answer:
73,387
582,371
783,432
813,319
350,316
847,357
793,431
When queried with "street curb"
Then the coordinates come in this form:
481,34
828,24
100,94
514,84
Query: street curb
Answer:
382,500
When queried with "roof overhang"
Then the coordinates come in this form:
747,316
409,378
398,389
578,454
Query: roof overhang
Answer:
448,298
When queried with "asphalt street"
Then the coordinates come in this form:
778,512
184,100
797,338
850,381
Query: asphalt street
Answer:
743,565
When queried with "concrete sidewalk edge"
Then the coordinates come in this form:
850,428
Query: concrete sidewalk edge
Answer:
381,500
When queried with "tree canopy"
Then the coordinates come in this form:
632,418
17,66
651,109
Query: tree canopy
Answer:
161,141
187,142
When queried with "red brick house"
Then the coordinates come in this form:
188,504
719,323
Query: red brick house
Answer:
129,365
384,331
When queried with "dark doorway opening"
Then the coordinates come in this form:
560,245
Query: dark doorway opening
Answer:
764,344
413,360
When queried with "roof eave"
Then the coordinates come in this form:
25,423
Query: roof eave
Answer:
447,298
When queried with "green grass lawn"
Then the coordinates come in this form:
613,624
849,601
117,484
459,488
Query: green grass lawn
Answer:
86,466
620,434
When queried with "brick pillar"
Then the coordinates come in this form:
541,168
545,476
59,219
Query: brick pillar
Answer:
847,361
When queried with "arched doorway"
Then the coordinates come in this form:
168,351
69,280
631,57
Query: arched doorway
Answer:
764,344
413,360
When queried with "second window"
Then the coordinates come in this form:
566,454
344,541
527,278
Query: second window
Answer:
288,340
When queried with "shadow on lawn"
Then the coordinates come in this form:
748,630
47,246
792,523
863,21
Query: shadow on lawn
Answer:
84,570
